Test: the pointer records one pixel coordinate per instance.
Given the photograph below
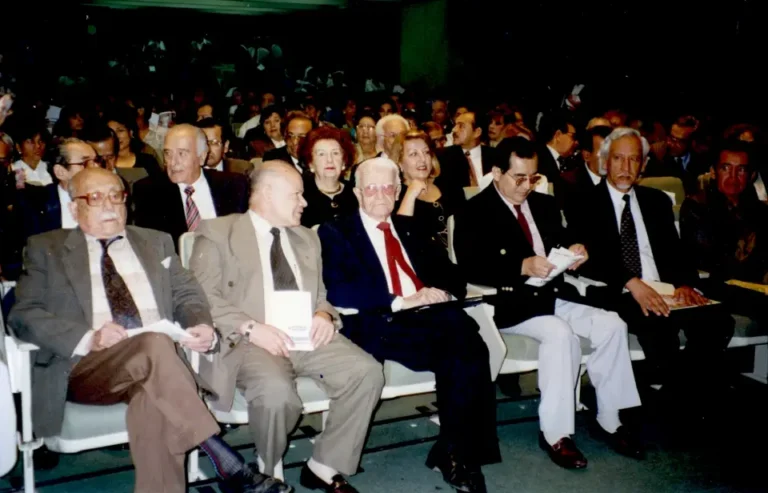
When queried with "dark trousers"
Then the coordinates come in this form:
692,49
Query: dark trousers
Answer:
446,341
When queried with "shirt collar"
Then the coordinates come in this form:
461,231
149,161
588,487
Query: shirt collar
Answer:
200,183
554,153
261,225
475,153
370,223
617,197
93,241
595,178
219,167
507,201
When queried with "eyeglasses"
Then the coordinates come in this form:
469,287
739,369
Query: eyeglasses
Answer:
372,190
214,142
520,179
91,162
97,199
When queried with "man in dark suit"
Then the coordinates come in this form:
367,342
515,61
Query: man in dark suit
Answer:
466,162
630,233
502,240
580,182
299,125
190,194
680,161
397,278
219,137
559,136
81,294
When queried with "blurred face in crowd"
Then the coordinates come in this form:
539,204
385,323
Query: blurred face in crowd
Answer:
311,111
267,99
385,109
76,122
565,143
679,140
519,180
272,127
439,112
465,134
205,111
366,131
598,121
733,173
182,160
616,118
496,128
590,156
417,160
295,133
6,153
123,135
327,159
625,159
350,110
98,203
376,190
79,156
393,131
32,150
106,151
438,137
217,148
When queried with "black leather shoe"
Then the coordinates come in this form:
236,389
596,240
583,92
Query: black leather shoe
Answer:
622,441
249,480
309,479
564,453
454,472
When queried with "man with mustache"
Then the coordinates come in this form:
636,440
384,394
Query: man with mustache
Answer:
189,194
82,292
467,161
630,233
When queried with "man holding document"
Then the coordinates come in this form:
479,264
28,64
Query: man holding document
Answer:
84,298
502,240
262,273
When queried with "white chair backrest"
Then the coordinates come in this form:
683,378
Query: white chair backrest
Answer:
186,242
451,253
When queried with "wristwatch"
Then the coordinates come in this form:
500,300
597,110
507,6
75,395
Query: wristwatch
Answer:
248,330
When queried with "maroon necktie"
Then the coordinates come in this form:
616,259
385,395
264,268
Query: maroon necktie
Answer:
524,224
395,257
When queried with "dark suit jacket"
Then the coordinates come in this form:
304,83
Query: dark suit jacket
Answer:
577,187
547,165
669,167
601,236
159,205
354,277
454,165
490,248
54,309
281,154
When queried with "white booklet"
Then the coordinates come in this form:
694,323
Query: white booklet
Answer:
291,312
561,258
171,329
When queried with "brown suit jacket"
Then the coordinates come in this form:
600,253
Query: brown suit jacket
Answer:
54,310
238,166
225,260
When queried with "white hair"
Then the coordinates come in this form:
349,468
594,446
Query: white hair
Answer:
619,133
376,163
389,118
202,144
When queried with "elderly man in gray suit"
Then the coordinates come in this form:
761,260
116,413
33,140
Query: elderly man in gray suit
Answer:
241,261
81,294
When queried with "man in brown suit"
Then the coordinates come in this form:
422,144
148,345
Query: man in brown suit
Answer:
242,261
81,294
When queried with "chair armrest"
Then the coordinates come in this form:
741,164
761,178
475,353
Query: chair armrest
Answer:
476,290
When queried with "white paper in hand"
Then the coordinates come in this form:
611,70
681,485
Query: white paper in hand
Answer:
291,312
172,330
561,258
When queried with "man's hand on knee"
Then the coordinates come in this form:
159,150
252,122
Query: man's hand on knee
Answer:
267,337
107,336
200,338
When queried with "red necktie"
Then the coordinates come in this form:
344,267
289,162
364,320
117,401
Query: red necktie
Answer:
395,257
524,224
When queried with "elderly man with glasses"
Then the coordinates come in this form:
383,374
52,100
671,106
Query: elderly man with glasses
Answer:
502,240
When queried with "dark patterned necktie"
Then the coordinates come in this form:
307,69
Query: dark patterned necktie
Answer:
630,252
121,304
193,213
282,274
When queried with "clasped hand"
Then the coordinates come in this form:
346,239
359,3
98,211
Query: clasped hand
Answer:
426,296
278,343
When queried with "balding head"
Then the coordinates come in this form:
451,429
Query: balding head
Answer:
98,202
184,152
277,194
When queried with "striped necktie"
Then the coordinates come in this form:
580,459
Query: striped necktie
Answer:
193,214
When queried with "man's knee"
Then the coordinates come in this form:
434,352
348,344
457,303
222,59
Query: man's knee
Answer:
370,373
274,394
154,344
554,330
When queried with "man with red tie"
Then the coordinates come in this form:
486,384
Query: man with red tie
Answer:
502,240
398,279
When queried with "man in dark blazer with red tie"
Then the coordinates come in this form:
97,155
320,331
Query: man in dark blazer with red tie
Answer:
398,280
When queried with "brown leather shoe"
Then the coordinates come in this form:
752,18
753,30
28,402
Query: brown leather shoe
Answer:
622,441
564,453
309,479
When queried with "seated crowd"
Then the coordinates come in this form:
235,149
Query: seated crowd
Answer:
358,219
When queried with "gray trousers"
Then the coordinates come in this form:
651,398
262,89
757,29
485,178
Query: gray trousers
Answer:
350,377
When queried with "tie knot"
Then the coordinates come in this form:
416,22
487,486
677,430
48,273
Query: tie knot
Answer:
105,243
275,232
518,208
189,190
626,198
383,226
466,153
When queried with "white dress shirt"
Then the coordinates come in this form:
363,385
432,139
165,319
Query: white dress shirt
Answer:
377,240
37,176
476,155
596,179
555,155
762,194
130,269
647,263
252,123
67,221
278,143
202,197
538,243
218,167
296,165
264,239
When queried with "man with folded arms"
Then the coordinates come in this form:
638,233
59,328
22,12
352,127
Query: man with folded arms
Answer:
502,241
397,278
82,292
243,261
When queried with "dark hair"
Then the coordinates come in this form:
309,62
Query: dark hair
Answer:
430,126
99,133
735,145
328,133
28,129
61,127
126,116
550,124
479,120
518,146
367,114
226,132
507,117
587,136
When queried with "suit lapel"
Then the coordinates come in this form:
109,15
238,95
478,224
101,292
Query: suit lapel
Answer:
514,233
151,262
362,244
217,193
606,206
78,271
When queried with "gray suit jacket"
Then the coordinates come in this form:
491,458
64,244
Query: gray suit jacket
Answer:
54,310
225,260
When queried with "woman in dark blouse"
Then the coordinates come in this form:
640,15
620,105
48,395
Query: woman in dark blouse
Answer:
420,197
329,152
122,121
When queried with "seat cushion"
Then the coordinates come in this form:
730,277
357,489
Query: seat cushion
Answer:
399,381
87,427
